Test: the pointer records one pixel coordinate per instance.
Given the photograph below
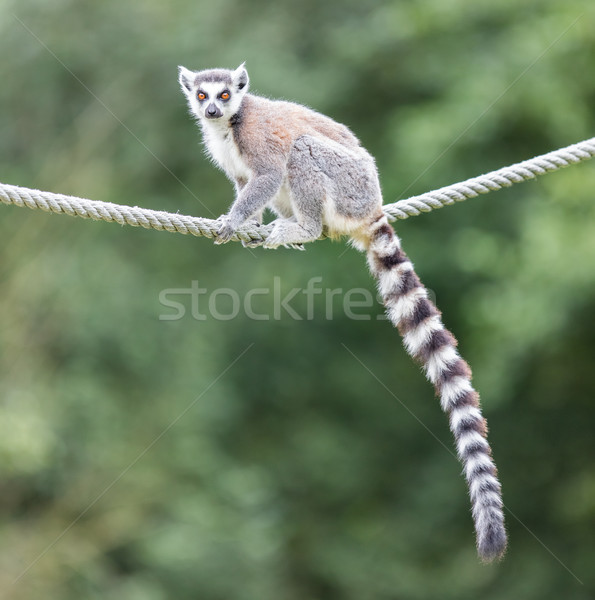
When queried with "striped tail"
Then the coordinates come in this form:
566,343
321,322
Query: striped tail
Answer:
428,342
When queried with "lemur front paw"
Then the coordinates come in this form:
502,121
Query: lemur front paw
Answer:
225,231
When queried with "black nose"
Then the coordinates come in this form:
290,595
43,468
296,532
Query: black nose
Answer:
212,111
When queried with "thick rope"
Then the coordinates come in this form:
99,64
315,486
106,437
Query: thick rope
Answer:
154,219
495,180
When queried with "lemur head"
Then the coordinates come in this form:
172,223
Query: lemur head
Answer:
214,94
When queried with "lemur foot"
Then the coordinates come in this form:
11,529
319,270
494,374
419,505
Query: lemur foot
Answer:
288,234
297,246
276,238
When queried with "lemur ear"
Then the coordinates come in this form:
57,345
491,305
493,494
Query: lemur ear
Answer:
186,79
240,77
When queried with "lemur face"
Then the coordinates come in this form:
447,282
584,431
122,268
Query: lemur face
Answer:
215,94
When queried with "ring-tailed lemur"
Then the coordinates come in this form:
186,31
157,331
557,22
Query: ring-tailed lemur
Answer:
313,172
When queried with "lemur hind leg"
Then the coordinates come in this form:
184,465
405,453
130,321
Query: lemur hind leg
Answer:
329,184
307,190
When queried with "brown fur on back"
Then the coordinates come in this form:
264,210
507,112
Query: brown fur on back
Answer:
265,130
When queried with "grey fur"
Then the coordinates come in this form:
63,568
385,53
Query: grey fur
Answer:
312,173
212,76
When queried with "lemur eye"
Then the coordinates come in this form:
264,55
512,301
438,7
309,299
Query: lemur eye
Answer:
225,96
201,96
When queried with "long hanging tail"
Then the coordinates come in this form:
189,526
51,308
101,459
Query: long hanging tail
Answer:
430,343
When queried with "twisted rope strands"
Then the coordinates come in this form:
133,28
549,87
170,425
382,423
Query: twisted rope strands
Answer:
121,213
198,226
495,180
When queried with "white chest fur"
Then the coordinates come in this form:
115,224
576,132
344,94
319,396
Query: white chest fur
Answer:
224,151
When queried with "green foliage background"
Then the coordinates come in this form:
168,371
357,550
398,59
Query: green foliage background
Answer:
291,459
